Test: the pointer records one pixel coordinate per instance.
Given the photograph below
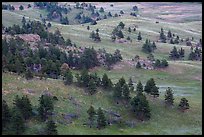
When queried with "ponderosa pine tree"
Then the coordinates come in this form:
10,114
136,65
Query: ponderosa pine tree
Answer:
183,105
181,52
6,114
169,35
46,106
130,84
117,91
101,119
51,128
92,87
169,99
126,92
149,85
162,36
174,53
91,112
139,37
140,107
155,91
138,65
139,88
122,25
129,29
68,78
17,122
106,82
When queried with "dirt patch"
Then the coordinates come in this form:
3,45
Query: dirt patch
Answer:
4,92
199,77
28,91
29,37
123,64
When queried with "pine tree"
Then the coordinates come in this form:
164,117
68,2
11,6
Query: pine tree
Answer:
169,35
139,37
51,128
106,82
46,106
28,74
138,65
169,99
139,88
140,107
21,7
88,28
126,92
157,63
91,112
155,91
26,109
181,53
118,90
149,85
68,78
17,123
122,25
122,81
174,53
129,29
92,87
101,120
6,114
154,46
101,9
23,20
162,36
130,84
164,63
183,105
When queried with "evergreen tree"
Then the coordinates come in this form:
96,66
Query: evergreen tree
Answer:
181,53
28,74
68,78
106,82
139,37
101,120
120,34
183,105
162,36
171,41
126,92
139,88
169,35
130,84
129,29
21,7
101,9
155,91
88,28
51,128
109,14
154,46
122,25
6,114
113,37
138,65
140,107
118,90
46,106
157,63
147,47
164,63
149,85
25,107
121,12
122,81
91,112
17,123
169,99
92,87
174,53
23,20
84,78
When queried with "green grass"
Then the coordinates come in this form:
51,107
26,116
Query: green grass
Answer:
183,76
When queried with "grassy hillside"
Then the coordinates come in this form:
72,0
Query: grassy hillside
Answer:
184,77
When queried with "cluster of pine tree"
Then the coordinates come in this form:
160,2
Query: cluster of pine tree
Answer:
148,47
99,116
174,54
14,119
196,54
95,36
